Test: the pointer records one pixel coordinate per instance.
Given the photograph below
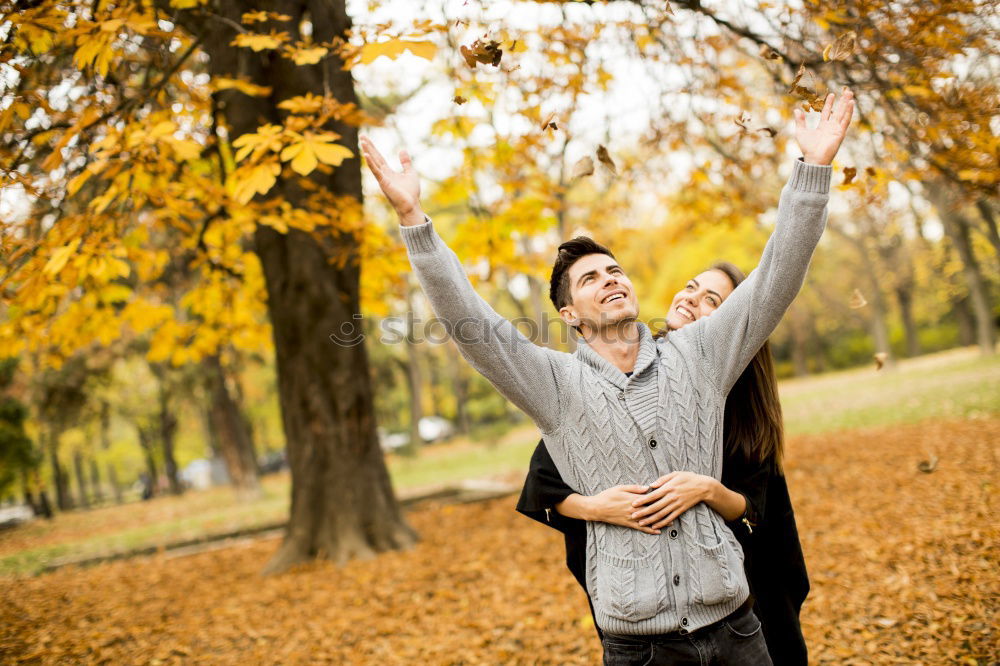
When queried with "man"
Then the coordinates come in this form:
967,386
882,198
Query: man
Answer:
625,409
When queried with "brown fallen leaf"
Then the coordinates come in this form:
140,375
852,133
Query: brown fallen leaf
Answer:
742,120
880,359
857,300
928,466
583,167
798,77
849,174
842,49
768,53
550,121
871,171
459,100
604,158
482,52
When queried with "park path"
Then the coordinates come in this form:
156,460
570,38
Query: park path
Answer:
905,568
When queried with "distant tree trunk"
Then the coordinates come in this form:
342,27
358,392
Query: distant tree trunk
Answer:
116,486
63,499
798,320
904,296
342,503
876,302
95,482
230,434
966,322
81,480
168,430
956,227
460,388
147,440
986,211
414,381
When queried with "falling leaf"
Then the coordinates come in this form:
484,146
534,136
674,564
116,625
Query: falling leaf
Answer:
549,122
768,53
928,466
770,131
880,359
849,174
604,158
871,171
798,77
842,49
742,120
482,52
583,167
857,300
458,99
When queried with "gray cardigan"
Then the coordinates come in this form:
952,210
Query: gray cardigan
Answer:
605,429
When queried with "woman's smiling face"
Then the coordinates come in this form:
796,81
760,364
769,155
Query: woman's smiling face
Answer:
699,298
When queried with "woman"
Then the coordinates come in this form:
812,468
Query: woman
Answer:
752,495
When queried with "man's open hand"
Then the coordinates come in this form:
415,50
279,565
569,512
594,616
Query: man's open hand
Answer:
402,189
820,144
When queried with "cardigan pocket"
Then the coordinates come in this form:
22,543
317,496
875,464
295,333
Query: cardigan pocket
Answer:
630,589
715,560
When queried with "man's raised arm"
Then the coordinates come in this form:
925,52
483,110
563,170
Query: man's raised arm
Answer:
522,371
735,332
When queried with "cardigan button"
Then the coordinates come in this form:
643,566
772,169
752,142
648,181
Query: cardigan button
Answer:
677,579
652,443
684,621
621,396
673,534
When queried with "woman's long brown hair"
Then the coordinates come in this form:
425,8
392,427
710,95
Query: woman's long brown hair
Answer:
752,422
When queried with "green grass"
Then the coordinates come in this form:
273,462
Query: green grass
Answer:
956,384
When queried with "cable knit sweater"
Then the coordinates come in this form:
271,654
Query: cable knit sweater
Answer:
605,429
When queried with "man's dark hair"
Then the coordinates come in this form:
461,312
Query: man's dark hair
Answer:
569,253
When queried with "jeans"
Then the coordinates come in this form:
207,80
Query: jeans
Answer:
736,642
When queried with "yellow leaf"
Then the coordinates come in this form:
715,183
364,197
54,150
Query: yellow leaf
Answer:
314,148
394,48
308,56
186,4
258,179
260,16
307,103
259,42
59,258
244,86
266,138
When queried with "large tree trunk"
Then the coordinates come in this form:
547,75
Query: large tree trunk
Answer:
956,227
342,504
230,433
147,441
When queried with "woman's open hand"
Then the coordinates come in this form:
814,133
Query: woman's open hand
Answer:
820,144
402,189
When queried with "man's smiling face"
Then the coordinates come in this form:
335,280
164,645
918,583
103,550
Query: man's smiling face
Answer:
601,294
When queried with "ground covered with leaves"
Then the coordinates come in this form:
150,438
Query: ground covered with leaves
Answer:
898,526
